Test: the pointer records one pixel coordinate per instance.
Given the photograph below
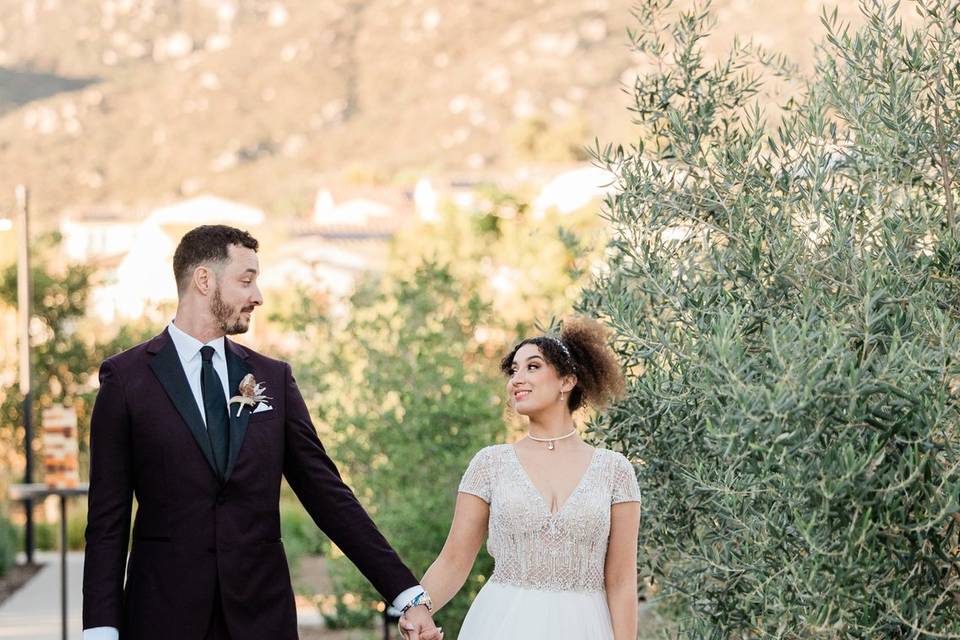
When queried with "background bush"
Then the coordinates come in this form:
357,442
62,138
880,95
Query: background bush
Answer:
47,534
8,545
301,537
407,397
785,295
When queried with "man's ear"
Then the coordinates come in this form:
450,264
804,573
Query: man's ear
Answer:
204,279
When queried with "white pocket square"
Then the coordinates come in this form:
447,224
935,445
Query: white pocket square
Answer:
263,406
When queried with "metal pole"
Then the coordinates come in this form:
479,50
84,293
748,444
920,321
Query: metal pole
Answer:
63,566
23,315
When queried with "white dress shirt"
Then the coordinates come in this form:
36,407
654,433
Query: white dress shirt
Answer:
188,348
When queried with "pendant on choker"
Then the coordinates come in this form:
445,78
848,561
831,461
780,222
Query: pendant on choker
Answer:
551,442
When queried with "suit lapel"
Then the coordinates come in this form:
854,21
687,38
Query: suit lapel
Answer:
237,368
166,365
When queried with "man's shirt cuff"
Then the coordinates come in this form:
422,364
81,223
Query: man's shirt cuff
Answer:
105,633
398,603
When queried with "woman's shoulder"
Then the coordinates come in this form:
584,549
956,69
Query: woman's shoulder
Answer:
490,454
613,459
621,477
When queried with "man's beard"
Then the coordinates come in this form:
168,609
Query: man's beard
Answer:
229,320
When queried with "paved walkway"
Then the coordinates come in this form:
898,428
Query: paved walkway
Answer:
33,612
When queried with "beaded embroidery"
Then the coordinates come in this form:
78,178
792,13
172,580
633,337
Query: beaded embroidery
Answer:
537,549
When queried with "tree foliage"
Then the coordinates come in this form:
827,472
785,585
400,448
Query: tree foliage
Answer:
66,348
784,294
407,388
408,399
526,265
8,544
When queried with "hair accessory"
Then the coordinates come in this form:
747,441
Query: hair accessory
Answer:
560,344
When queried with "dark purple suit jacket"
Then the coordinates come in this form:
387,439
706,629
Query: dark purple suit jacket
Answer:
196,534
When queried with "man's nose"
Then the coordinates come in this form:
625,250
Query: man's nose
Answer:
257,298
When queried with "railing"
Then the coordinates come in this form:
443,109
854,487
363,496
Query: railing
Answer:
37,491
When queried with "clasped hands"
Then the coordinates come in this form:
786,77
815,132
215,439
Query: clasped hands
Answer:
417,624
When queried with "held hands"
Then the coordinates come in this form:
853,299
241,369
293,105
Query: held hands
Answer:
417,624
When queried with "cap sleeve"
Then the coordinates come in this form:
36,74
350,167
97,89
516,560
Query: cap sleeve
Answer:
625,487
478,478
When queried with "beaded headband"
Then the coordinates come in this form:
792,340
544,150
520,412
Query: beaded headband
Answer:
562,346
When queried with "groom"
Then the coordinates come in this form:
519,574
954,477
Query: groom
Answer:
206,560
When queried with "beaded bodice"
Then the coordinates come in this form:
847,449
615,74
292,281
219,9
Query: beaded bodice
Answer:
537,549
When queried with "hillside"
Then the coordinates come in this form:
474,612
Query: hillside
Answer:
132,103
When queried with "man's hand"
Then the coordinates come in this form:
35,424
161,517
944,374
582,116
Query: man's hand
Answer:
417,624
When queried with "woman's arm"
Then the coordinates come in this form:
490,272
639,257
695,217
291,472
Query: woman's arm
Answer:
450,570
620,572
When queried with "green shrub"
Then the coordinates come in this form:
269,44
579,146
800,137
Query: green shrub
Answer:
301,536
786,299
8,545
76,527
46,535
358,616
409,399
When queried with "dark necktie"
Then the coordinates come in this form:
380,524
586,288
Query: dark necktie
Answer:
215,410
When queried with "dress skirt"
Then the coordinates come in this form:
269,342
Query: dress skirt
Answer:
506,612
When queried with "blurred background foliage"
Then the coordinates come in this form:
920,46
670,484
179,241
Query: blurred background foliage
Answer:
406,388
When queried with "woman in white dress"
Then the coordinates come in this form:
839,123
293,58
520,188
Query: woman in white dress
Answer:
560,517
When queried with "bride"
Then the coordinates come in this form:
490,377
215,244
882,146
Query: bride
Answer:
560,517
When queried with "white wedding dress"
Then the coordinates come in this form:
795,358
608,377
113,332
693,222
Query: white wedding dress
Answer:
547,581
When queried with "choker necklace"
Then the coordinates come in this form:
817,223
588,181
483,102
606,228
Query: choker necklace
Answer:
550,441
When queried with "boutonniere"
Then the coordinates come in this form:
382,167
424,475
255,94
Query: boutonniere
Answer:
251,393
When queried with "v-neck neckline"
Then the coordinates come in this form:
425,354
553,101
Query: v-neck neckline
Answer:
543,501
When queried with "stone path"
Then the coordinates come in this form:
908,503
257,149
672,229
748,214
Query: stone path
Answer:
33,612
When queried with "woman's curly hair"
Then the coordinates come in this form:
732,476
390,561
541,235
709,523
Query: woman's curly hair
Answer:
581,350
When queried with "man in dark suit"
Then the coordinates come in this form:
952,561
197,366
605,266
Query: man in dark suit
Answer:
204,454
